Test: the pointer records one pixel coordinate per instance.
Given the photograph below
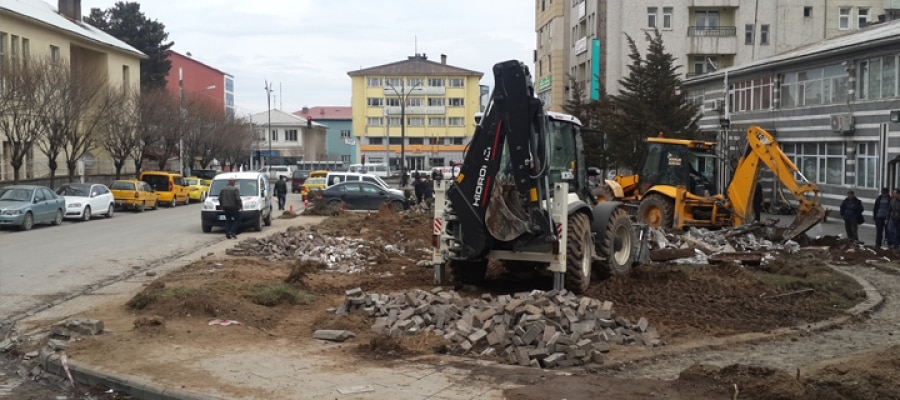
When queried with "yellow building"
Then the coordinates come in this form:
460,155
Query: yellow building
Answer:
34,29
420,110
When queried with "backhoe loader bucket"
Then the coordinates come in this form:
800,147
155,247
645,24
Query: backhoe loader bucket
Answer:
505,218
805,220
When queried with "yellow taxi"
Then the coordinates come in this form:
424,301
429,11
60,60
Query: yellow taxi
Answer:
134,194
198,188
313,185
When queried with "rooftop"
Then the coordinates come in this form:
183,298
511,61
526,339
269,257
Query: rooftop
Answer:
415,65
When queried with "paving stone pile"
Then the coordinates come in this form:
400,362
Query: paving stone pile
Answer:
540,329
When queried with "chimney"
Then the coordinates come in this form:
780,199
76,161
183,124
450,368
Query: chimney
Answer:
444,59
70,9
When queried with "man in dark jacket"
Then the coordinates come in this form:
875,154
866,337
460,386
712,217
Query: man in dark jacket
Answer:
231,204
281,191
894,221
881,212
851,212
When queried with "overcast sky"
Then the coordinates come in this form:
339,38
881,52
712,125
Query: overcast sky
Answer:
306,47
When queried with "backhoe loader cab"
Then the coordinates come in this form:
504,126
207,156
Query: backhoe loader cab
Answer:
675,162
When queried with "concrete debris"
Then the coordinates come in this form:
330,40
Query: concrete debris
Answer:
333,335
77,326
748,244
338,254
537,328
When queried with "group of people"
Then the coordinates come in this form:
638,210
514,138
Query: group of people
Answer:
886,212
423,187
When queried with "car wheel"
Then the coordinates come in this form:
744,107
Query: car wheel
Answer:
187,200
142,207
207,228
398,205
334,203
86,215
155,204
259,223
111,212
202,197
174,202
57,220
268,219
28,223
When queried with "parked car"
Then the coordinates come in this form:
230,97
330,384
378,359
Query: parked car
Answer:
313,184
169,186
362,195
255,196
134,194
297,179
273,172
84,200
198,188
337,177
22,206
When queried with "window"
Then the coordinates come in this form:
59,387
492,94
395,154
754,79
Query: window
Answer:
436,82
392,102
274,135
394,82
807,11
706,19
126,78
290,135
14,49
376,140
456,140
415,121
866,165
3,48
456,121
877,78
436,101
705,64
345,158
395,140
819,162
26,50
415,102
764,34
374,101
374,121
416,140
345,134
748,34
262,135
436,121
667,18
393,121
413,82
456,82
54,54
651,17
844,18
862,17
751,95
456,102
818,86
373,82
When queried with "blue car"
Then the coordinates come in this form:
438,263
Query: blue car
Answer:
360,195
22,206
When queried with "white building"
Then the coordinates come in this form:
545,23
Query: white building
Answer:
290,138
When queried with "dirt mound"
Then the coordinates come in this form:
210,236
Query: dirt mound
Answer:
386,347
846,251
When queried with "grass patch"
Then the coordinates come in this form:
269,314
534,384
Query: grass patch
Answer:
153,294
272,294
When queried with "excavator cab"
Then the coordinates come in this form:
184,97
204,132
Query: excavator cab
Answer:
672,164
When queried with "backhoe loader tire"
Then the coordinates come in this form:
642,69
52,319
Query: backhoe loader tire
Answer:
617,245
657,211
579,253
467,272
603,193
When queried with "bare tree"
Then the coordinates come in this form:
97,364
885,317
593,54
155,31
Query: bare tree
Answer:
90,101
21,110
56,77
118,131
203,122
237,140
158,127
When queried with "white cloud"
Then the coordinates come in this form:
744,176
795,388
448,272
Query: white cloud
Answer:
307,46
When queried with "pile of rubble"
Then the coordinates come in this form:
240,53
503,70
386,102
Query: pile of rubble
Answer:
344,254
751,244
540,329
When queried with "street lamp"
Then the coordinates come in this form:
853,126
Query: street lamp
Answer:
181,110
269,129
403,95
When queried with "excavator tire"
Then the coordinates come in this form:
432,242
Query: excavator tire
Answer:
579,253
657,211
617,245
467,272
603,193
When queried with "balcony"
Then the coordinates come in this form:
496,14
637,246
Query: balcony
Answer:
418,91
712,40
715,3
417,110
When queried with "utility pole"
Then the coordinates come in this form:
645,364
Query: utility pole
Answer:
269,129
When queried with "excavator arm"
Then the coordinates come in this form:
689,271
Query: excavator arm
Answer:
762,148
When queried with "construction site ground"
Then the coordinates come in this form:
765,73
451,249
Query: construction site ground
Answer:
821,323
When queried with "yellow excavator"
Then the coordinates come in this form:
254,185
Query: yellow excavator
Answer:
675,187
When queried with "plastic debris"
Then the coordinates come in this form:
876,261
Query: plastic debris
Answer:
224,322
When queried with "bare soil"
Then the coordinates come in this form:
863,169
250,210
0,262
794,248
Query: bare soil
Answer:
688,304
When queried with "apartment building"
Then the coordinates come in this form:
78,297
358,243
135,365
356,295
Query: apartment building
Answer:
33,29
417,109
703,35
340,143
195,80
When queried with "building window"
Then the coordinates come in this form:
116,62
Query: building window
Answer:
345,158
844,18
415,121
867,165
416,140
456,121
436,82
393,121
413,82
748,34
375,121
667,18
807,11
818,86
878,78
705,64
436,121
373,82
376,140
456,82
436,101
392,102
764,34
415,102
54,54
456,102
706,19
651,16
393,82
2,48
126,78
14,49
457,140
374,101
26,50
395,140
262,135
751,95
345,134
819,162
290,135
862,18
274,135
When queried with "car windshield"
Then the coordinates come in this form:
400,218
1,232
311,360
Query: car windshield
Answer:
15,194
192,181
122,186
82,191
315,181
246,187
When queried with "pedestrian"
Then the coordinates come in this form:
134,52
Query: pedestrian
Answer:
428,189
851,212
881,211
281,191
230,202
757,202
894,222
418,189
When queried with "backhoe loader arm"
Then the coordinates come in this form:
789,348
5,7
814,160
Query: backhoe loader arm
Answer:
762,148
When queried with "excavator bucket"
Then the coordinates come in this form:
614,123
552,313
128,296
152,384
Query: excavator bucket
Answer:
505,218
805,220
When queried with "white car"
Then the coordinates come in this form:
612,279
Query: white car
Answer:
84,200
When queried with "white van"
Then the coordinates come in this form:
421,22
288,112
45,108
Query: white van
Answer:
379,170
334,178
255,196
273,172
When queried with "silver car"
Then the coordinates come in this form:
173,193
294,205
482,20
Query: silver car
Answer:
22,206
